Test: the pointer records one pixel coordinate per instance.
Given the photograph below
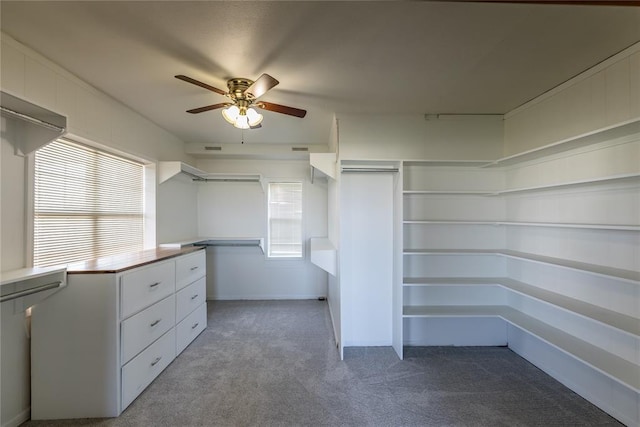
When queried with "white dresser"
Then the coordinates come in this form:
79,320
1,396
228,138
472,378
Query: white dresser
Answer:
120,321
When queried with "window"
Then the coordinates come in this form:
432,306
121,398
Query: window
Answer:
87,204
284,236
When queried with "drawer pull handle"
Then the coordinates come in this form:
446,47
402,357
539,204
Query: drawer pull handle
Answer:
155,362
153,285
195,326
194,297
194,268
155,323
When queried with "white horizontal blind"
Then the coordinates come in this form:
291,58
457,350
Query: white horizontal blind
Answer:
285,220
87,204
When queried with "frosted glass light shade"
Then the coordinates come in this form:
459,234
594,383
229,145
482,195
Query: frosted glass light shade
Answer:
231,114
242,122
254,117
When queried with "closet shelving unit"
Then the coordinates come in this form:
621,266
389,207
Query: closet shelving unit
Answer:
323,252
444,279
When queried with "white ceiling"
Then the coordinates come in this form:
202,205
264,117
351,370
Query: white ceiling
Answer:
373,57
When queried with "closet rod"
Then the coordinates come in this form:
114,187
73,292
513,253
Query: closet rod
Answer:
26,292
192,175
226,180
369,170
30,119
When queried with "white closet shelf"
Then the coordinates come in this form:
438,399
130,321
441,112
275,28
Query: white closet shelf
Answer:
453,192
323,165
560,185
599,270
448,222
446,162
600,135
167,170
218,241
621,227
616,368
622,322
29,286
324,254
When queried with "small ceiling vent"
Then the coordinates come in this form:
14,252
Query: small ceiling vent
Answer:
299,148
210,148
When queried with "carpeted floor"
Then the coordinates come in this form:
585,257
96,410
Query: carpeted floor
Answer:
275,363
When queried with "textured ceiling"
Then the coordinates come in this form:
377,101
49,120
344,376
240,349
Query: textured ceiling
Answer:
380,57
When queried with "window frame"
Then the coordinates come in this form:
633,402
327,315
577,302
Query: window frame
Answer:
303,255
149,193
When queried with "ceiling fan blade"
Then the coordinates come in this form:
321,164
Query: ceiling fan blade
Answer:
264,83
198,83
208,108
283,109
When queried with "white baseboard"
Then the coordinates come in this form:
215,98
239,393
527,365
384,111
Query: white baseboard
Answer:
18,419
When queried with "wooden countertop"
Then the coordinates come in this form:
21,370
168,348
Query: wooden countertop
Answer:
118,263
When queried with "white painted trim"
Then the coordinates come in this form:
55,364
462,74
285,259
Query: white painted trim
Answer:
19,419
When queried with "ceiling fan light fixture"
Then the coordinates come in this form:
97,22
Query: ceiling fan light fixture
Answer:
254,117
242,122
231,114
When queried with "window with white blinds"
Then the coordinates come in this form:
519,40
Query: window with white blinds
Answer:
87,204
284,236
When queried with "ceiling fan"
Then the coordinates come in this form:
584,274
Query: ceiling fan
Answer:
243,94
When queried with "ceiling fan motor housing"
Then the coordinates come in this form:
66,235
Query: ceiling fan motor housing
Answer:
237,88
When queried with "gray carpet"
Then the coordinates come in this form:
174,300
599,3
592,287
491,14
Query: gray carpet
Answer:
275,363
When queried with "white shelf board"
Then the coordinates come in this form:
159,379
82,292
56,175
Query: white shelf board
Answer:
451,251
452,192
617,273
23,274
439,222
26,287
622,322
167,170
616,368
324,254
322,164
230,177
470,163
600,135
620,227
217,241
599,180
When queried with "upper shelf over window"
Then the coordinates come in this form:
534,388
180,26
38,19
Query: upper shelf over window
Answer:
167,170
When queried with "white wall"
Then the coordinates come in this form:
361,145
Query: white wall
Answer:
604,95
92,116
231,209
177,213
411,136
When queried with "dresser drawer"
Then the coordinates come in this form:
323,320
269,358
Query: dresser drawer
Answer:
142,287
190,268
190,327
147,326
139,372
189,298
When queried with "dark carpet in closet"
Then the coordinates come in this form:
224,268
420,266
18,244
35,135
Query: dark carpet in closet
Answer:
275,363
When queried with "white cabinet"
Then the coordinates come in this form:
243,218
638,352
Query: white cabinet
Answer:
102,340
